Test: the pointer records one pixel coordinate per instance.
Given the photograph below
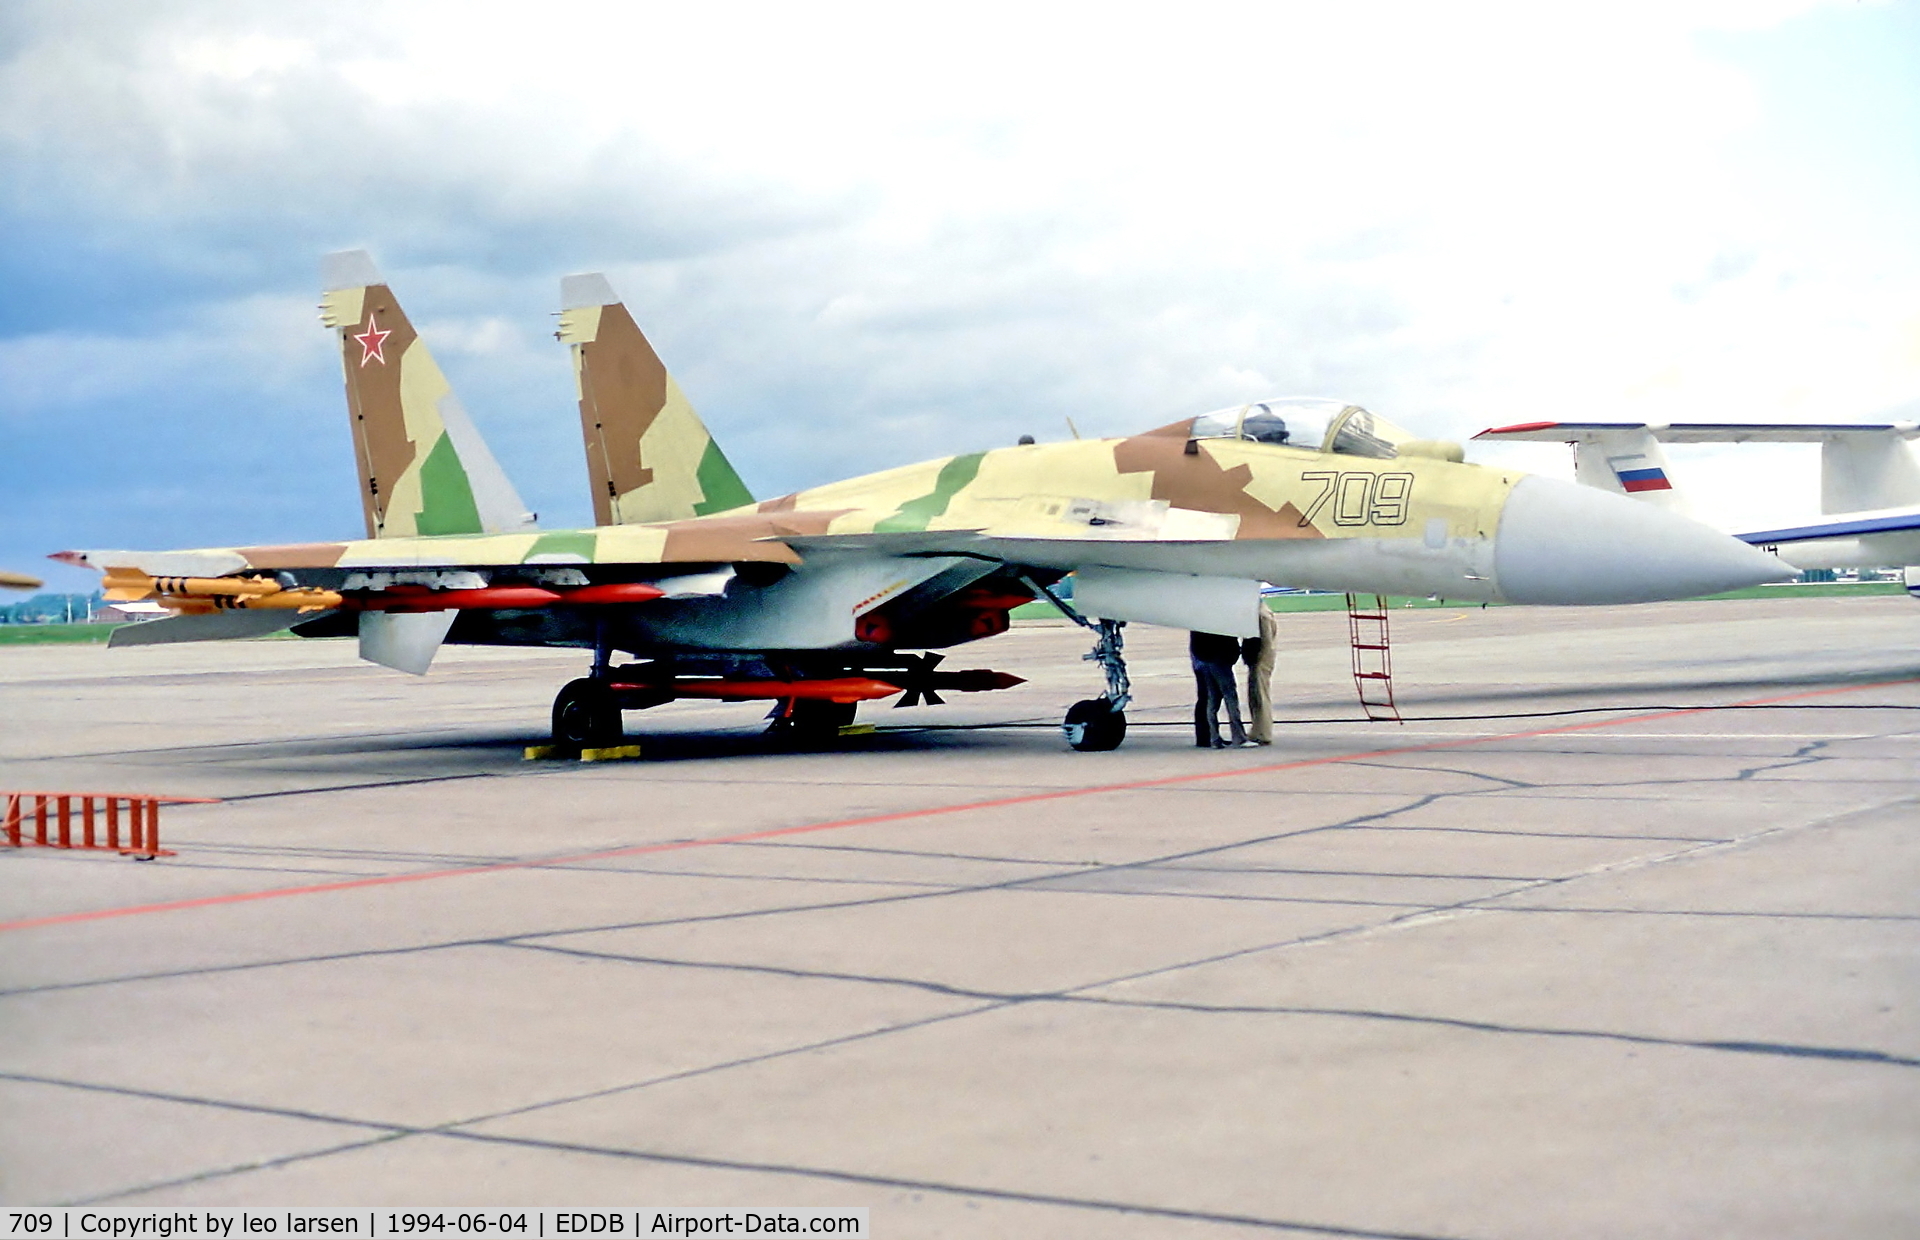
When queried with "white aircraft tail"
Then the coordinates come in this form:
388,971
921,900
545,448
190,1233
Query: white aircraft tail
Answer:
1628,461
1864,466
1869,479
1868,470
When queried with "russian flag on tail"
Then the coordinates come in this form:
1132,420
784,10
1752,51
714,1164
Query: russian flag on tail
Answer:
1636,480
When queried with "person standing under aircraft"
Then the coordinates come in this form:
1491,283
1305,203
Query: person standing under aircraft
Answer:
1213,658
1258,654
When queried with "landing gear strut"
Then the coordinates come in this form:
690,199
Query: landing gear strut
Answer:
1100,723
1095,724
586,713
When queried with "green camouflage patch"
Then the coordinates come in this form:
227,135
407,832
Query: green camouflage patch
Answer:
719,484
446,497
565,545
915,514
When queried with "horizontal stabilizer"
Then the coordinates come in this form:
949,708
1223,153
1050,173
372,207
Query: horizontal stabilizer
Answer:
215,626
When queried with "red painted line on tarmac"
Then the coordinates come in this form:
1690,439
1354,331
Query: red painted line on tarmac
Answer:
932,811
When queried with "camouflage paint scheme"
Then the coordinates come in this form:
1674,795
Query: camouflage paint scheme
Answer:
1231,506
423,467
649,457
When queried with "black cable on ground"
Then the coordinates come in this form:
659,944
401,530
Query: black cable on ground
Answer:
1528,714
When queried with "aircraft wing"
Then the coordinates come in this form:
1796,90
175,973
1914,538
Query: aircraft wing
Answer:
1699,432
1847,525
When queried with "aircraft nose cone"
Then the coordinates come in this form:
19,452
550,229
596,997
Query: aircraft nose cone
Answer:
1561,543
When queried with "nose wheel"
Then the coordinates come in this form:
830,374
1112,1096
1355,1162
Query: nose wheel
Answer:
1097,724
586,715
1094,724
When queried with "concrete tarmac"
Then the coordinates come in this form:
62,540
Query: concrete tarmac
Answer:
1619,935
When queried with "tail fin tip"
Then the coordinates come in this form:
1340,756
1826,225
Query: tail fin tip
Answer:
578,292
348,269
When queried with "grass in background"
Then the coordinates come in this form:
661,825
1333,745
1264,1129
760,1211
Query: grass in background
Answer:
53,634
1043,610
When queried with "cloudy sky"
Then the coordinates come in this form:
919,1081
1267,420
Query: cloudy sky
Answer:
862,235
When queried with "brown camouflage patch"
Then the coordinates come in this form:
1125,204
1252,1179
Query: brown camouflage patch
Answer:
783,503
623,387
372,361
721,540
1198,482
294,555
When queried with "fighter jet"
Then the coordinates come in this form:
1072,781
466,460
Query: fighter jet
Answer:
1869,480
846,592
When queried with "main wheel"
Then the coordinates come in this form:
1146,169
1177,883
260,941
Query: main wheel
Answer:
1094,725
812,721
586,715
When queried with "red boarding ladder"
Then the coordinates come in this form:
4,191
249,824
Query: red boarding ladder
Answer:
87,820
1372,658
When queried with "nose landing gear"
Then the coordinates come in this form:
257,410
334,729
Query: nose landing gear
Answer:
1093,725
1097,724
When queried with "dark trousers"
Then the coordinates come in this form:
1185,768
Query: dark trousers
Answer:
1214,689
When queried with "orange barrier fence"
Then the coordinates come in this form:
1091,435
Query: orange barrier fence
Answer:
88,820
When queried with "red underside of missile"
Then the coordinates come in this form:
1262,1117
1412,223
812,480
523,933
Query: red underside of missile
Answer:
839,689
619,592
404,599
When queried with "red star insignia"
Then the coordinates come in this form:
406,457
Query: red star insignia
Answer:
371,341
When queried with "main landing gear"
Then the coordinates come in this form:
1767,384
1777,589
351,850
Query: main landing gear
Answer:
586,712
815,698
586,715
1097,724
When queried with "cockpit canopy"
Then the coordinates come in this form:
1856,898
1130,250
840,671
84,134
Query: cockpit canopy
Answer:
1305,422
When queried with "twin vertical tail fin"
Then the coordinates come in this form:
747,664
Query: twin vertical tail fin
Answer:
423,467
649,457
